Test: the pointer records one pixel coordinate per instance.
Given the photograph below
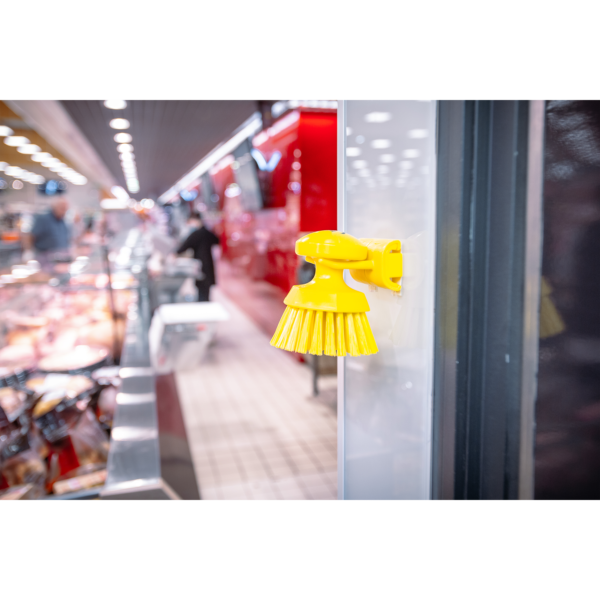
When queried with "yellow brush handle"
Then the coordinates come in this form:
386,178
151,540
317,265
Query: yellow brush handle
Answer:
342,264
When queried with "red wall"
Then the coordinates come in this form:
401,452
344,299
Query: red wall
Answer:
262,242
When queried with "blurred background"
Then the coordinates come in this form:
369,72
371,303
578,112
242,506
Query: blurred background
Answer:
146,248
110,210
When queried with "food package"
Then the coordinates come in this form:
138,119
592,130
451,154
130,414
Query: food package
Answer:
72,385
89,441
4,425
107,405
62,398
109,381
84,445
21,465
12,402
20,492
83,478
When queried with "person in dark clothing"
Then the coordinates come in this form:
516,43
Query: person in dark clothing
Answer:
201,241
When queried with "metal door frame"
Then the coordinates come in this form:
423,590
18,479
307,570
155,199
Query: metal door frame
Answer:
489,239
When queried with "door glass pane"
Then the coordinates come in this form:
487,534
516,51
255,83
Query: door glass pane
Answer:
390,179
567,450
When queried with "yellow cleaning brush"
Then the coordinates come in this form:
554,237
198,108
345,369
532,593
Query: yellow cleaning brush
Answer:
326,316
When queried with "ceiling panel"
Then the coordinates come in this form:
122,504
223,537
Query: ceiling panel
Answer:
169,136
10,155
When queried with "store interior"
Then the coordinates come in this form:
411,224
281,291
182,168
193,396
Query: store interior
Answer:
118,380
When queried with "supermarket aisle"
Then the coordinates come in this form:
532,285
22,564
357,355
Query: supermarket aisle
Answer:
254,431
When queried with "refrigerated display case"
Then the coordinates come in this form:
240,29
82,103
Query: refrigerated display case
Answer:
66,329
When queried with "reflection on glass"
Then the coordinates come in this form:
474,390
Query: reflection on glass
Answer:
388,395
567,451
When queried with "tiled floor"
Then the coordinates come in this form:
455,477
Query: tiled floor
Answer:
254,430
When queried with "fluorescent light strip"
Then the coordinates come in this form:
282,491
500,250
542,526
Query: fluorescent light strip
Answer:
247,129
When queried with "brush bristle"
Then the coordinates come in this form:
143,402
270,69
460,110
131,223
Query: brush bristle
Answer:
321,332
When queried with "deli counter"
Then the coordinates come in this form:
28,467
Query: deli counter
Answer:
82,413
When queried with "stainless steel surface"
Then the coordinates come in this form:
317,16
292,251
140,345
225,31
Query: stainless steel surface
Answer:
149,455
387,400
341,225
140,489
134,449
78,495
531,320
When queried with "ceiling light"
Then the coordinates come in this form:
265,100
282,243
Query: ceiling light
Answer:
387,158
111,203
81,180
378,117
57,167
41,156
4,131
147,203
359,164
124,148
125,154
411,153
119,124
119,192
417,134
3,165
13,171
28,149
406,164
352,151
16,140
381,144
115,104
50,161
123,138
17,185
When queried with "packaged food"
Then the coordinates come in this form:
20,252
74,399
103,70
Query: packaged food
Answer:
21,465
20,492
4,424
84,445
109,381
72,385
13,402
83,478
73,433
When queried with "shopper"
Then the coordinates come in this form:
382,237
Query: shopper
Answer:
201,241
50,235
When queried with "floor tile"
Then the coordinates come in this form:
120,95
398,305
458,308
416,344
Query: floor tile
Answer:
255,432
